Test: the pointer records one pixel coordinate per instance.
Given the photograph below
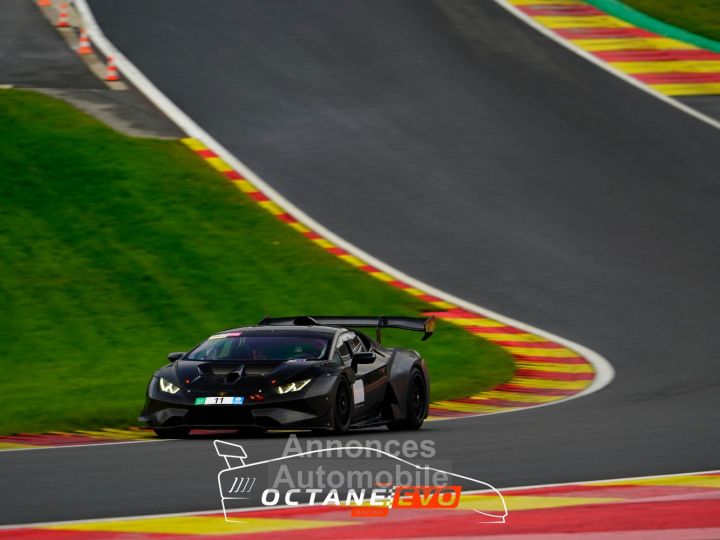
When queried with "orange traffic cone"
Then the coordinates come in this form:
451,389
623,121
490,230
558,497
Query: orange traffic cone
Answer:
63,21
84,46
112,72
44,3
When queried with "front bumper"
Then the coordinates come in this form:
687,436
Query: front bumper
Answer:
310,409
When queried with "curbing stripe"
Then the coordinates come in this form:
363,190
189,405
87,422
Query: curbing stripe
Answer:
515,396
664,67
626,13
674,66
517,338
521,389
661,45
554,375
548,366
592,21
698,89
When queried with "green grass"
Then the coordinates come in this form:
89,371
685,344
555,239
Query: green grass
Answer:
115,251
700,17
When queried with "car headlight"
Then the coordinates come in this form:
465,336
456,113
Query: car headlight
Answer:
167,386
292,387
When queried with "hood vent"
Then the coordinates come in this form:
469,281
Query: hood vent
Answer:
230,373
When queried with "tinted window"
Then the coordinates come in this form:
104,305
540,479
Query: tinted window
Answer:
237,346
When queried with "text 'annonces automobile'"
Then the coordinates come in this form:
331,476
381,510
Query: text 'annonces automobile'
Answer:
306,372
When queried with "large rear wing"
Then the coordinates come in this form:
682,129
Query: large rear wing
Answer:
416,324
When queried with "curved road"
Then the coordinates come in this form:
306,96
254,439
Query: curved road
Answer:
464,148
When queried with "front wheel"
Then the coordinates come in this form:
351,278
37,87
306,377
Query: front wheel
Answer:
342,408
417,400
172,433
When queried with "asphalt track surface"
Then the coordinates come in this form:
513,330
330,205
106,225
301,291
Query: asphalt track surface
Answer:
464,148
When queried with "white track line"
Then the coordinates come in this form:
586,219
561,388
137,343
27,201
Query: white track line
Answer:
603,369
220,510
603,65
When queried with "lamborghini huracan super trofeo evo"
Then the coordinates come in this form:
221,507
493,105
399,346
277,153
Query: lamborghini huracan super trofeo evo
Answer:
306,372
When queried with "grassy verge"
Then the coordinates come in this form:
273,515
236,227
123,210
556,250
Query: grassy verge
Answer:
115,251
700,17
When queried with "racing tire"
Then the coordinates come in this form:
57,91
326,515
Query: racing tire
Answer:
172,433
417,403
342,407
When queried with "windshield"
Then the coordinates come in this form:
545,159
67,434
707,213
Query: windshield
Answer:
278,347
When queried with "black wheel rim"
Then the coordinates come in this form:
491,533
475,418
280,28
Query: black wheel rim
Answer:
343,405
417,397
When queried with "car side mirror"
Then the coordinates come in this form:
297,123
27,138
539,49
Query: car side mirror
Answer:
175,356
362,358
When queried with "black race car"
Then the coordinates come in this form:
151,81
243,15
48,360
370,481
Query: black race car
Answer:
304,372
